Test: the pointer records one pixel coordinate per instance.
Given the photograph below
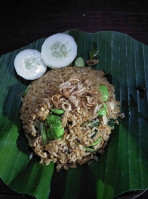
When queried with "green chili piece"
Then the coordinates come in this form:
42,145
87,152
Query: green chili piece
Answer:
105,107
101,112
95,143
79,61
57,111
51,119
43,133
57,131
104,91
94,53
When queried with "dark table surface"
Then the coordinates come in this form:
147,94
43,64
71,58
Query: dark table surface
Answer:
23,22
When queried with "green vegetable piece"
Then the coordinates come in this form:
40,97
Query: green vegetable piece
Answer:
95,143
57,131
51,119
26,90
111,122
94,53
49,135
57,111
89,149
104,91
43,133
79,61
102,112
37,124
105,107
95,123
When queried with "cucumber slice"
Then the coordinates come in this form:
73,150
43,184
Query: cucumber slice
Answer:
59,50
28,64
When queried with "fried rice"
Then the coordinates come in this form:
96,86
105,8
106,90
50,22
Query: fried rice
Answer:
75,91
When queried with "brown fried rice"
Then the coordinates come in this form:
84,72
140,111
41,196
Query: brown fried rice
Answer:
74,90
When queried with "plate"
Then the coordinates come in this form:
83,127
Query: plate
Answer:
123,166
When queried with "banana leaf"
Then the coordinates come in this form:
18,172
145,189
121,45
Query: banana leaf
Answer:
124,164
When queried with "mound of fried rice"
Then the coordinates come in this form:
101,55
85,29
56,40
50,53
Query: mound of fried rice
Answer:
75,90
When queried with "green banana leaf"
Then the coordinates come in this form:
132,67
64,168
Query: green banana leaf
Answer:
123,166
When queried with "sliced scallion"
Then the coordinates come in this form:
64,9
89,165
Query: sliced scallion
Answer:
89,149
43,133
95,143
26,90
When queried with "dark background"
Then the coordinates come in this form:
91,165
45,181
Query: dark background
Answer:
23,22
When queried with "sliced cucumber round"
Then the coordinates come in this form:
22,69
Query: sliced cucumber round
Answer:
59,50
28,64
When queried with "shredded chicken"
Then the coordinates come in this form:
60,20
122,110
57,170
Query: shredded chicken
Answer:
66,84
74,80
112,105
97,108
48,103
87,82
104,118
74,100
79,92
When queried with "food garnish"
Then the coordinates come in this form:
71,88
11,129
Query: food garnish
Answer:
28,64
59,50
79,61
93,57
57,111
94,53
104,90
